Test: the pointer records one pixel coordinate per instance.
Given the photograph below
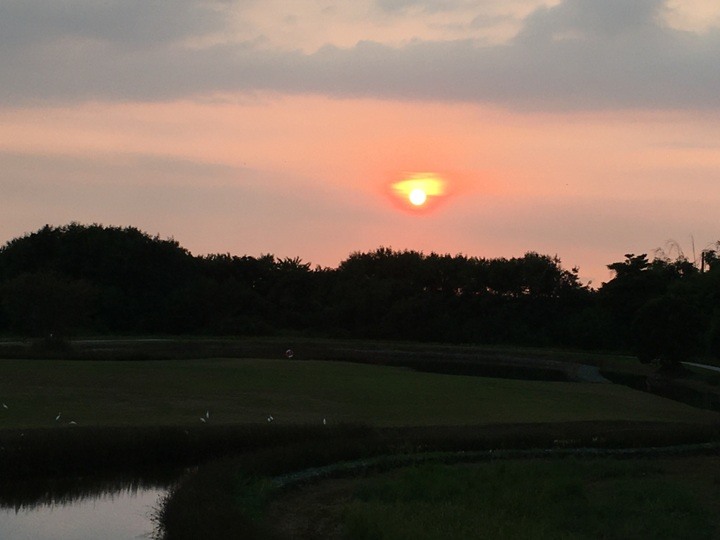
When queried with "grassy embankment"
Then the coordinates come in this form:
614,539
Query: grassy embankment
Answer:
542,499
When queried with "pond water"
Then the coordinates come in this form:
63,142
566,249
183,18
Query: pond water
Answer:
113,513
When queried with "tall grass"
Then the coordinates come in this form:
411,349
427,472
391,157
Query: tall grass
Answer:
519,500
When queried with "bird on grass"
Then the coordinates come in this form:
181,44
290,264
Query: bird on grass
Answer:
270,418
58,417
4,406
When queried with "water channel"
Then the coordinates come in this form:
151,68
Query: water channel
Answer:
116,510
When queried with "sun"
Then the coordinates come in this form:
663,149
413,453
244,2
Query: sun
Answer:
417,197
419,191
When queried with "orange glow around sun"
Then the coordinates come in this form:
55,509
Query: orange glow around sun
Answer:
418,190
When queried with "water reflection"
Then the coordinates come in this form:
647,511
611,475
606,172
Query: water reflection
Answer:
81,508
120,516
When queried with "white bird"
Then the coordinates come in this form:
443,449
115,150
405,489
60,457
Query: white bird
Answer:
270,418
72,423
5,406
324,422
58,417
203,420
207,415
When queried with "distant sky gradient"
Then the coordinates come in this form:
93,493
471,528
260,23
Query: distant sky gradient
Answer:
585,129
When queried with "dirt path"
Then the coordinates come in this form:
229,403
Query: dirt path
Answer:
591,374
312,511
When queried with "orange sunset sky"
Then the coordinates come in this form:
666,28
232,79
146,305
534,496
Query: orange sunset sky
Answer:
580,128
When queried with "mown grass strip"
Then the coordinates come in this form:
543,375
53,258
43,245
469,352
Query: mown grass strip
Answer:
388,462
247,391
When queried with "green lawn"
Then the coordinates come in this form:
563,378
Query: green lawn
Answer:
571,499
241,391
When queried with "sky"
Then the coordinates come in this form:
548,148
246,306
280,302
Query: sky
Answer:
582,129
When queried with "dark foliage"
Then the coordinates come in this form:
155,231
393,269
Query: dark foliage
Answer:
89,279
664,310
667,329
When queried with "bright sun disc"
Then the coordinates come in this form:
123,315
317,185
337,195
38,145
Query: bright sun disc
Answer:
419,190
417,197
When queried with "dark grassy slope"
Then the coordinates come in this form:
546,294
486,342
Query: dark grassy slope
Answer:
228,498
674,498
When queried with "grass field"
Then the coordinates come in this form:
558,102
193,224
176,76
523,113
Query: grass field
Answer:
246,391
542,499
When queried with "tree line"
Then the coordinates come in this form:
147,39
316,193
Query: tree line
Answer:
91,279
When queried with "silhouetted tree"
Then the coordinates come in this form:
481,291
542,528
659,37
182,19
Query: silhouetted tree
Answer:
135,274
667,329
637,281
112,279
44,303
